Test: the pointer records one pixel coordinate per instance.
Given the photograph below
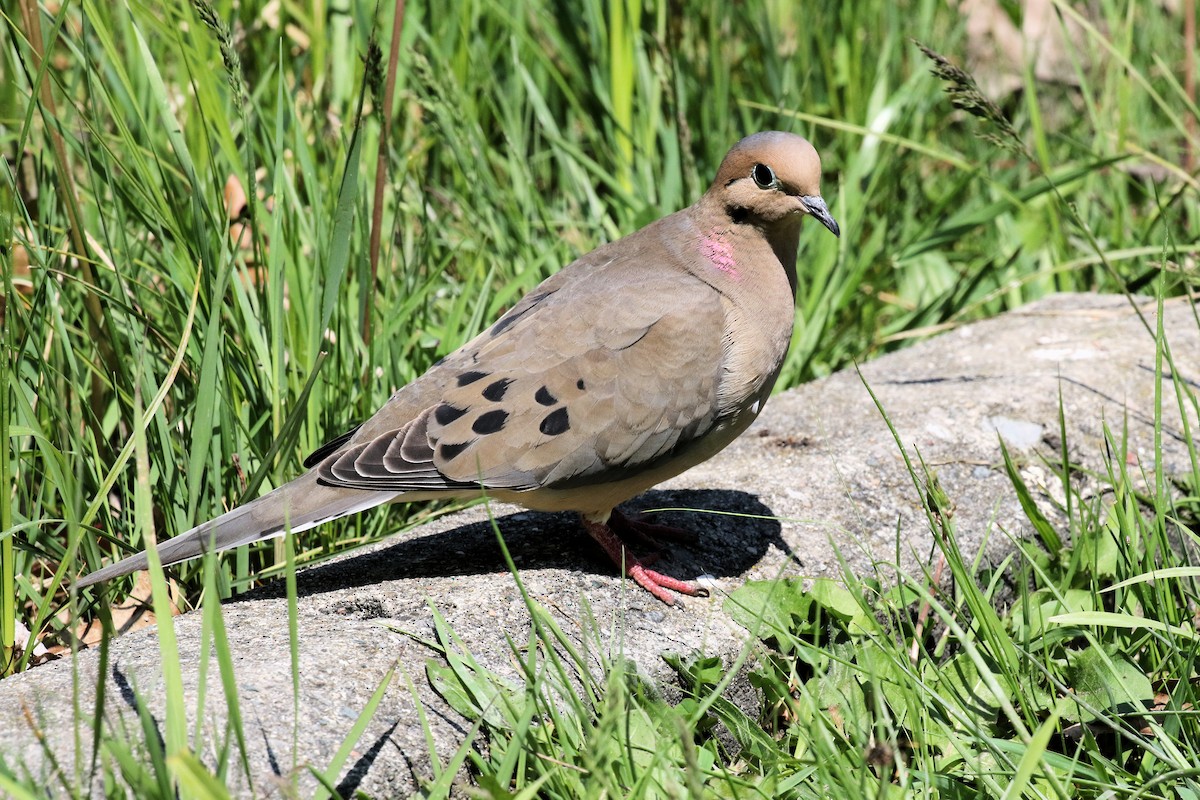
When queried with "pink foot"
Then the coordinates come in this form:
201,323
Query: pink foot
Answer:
655,583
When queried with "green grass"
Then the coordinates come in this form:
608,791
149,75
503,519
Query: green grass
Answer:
155,374
1061,672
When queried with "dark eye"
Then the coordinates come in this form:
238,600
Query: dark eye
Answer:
763,176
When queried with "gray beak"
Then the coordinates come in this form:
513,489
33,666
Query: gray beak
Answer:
817,208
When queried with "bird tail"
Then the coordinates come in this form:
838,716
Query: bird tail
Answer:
296,506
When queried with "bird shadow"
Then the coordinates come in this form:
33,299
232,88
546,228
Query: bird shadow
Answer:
733,531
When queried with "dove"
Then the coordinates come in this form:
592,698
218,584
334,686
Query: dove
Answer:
638,360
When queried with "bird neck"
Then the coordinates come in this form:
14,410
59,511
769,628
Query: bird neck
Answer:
729,244
784,238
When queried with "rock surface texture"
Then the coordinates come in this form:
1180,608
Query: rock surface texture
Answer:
819,471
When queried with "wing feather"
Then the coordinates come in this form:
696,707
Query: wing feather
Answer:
574,385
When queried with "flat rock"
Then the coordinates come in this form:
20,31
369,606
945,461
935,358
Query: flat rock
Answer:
817,479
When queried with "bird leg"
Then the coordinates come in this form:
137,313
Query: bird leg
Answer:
655,583
649,533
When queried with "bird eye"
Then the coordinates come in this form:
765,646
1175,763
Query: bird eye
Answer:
763,175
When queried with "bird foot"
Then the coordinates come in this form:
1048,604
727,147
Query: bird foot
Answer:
655,583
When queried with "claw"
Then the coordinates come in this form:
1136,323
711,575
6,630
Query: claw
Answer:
655,583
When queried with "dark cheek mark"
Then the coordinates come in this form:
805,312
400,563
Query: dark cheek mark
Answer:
490,422
446,413
448,452
544,397
579,384
468,378
495,391
556,422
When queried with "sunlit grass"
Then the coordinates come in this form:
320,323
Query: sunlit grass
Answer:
173,350
1066,670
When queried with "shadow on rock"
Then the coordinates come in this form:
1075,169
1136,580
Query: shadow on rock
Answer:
732,536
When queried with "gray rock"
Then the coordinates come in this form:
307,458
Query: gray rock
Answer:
819,475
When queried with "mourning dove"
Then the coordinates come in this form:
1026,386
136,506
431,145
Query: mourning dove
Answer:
639,360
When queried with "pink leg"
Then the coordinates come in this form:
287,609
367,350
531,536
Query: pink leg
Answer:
655,583
647,532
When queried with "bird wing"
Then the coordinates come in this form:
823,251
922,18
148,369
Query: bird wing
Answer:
602,371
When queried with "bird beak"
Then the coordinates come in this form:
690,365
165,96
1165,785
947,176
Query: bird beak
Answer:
814,205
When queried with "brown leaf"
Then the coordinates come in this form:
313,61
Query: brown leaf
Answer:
998,50
241,234
21,643
133,613
236,201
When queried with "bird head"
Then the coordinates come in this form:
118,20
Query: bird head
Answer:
771,178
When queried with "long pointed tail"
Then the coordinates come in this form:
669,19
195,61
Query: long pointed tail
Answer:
295,506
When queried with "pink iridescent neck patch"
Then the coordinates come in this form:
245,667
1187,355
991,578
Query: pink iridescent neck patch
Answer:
719,252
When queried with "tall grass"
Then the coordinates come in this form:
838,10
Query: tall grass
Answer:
1063,671
521,138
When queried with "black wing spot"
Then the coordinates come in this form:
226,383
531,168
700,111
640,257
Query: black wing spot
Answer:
544,397
467,378
556,422
579,384
495,390
491,422
514,315
504,322
448,452
446,413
